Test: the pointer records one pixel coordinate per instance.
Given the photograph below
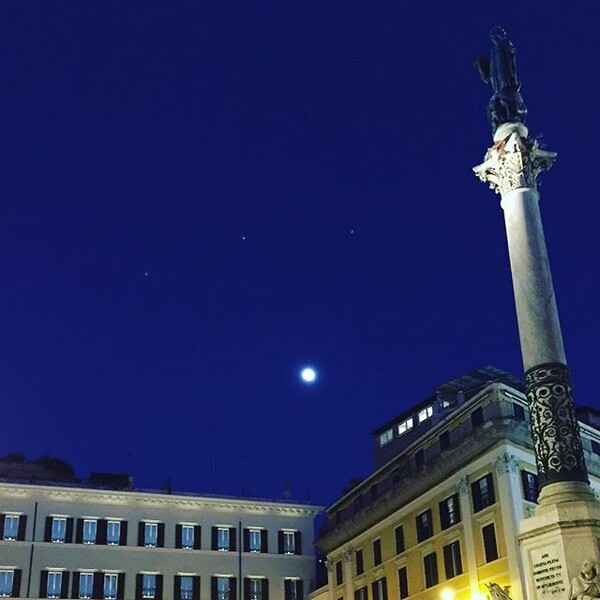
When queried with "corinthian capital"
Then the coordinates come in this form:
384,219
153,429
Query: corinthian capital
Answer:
514,161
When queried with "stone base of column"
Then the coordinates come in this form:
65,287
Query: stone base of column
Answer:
558,538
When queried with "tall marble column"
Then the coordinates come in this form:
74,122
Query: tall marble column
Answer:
511,167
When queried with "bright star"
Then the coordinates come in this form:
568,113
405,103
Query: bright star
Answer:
308,375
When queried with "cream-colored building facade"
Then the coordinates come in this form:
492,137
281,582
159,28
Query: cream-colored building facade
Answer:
67,541
438,518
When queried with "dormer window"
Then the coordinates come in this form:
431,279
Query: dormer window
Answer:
405,426
386,437
425,413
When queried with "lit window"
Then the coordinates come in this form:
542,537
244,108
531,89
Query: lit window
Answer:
449,511
386,437
186,588
222,538
482,492
113,533
59,531
150,534
11,527
54,584
425,414
110,586
86,585
530,486
89,531
6,583
405,426
223,588
148,586
254,540
187,536
255,586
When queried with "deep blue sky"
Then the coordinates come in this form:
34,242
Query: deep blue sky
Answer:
141,142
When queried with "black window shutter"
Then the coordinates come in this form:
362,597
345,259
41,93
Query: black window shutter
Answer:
384,588
444,517
448,562
196,588
490,482
232,588
48,532
232,539
265,589
141,528
264,540
2,519
476,496
287,589
246,588
178,540
98,585
298,542
121,586
177,583
375,589
160,542
79,532
75,588
159,587
101,527
399,533
213,587
69,531
197,537
22,528
16,588
44,583
213,543
246,540
123,534
64,583
139,582
300,589
280,542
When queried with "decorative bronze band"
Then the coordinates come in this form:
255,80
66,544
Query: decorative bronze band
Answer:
554,425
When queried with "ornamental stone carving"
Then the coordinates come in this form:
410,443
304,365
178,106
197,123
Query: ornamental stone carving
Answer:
506,463
514,161
347,554
558,449
463,486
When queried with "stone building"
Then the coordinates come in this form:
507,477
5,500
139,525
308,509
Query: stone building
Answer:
61,540
439,515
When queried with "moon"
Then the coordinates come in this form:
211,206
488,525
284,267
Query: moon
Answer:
308,375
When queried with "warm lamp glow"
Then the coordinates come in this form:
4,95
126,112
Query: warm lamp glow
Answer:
447,594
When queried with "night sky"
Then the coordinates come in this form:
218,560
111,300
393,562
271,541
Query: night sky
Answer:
200,198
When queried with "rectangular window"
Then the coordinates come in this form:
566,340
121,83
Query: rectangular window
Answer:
361,593
339,573
386,437
54,584
379,587
482,492
424,526
530,486
402,582
452,560
11,527
519,412
113,533
399,536
477,418
223,588
187,537
90,527
377,558
186,587
148,585
59,530
86,585
595,447
6,582
293,589
222,538
111,581
359,562
430,570
425,414
150,535
489,542
254,540
449,511
289,542
444,441
405,426
254,588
